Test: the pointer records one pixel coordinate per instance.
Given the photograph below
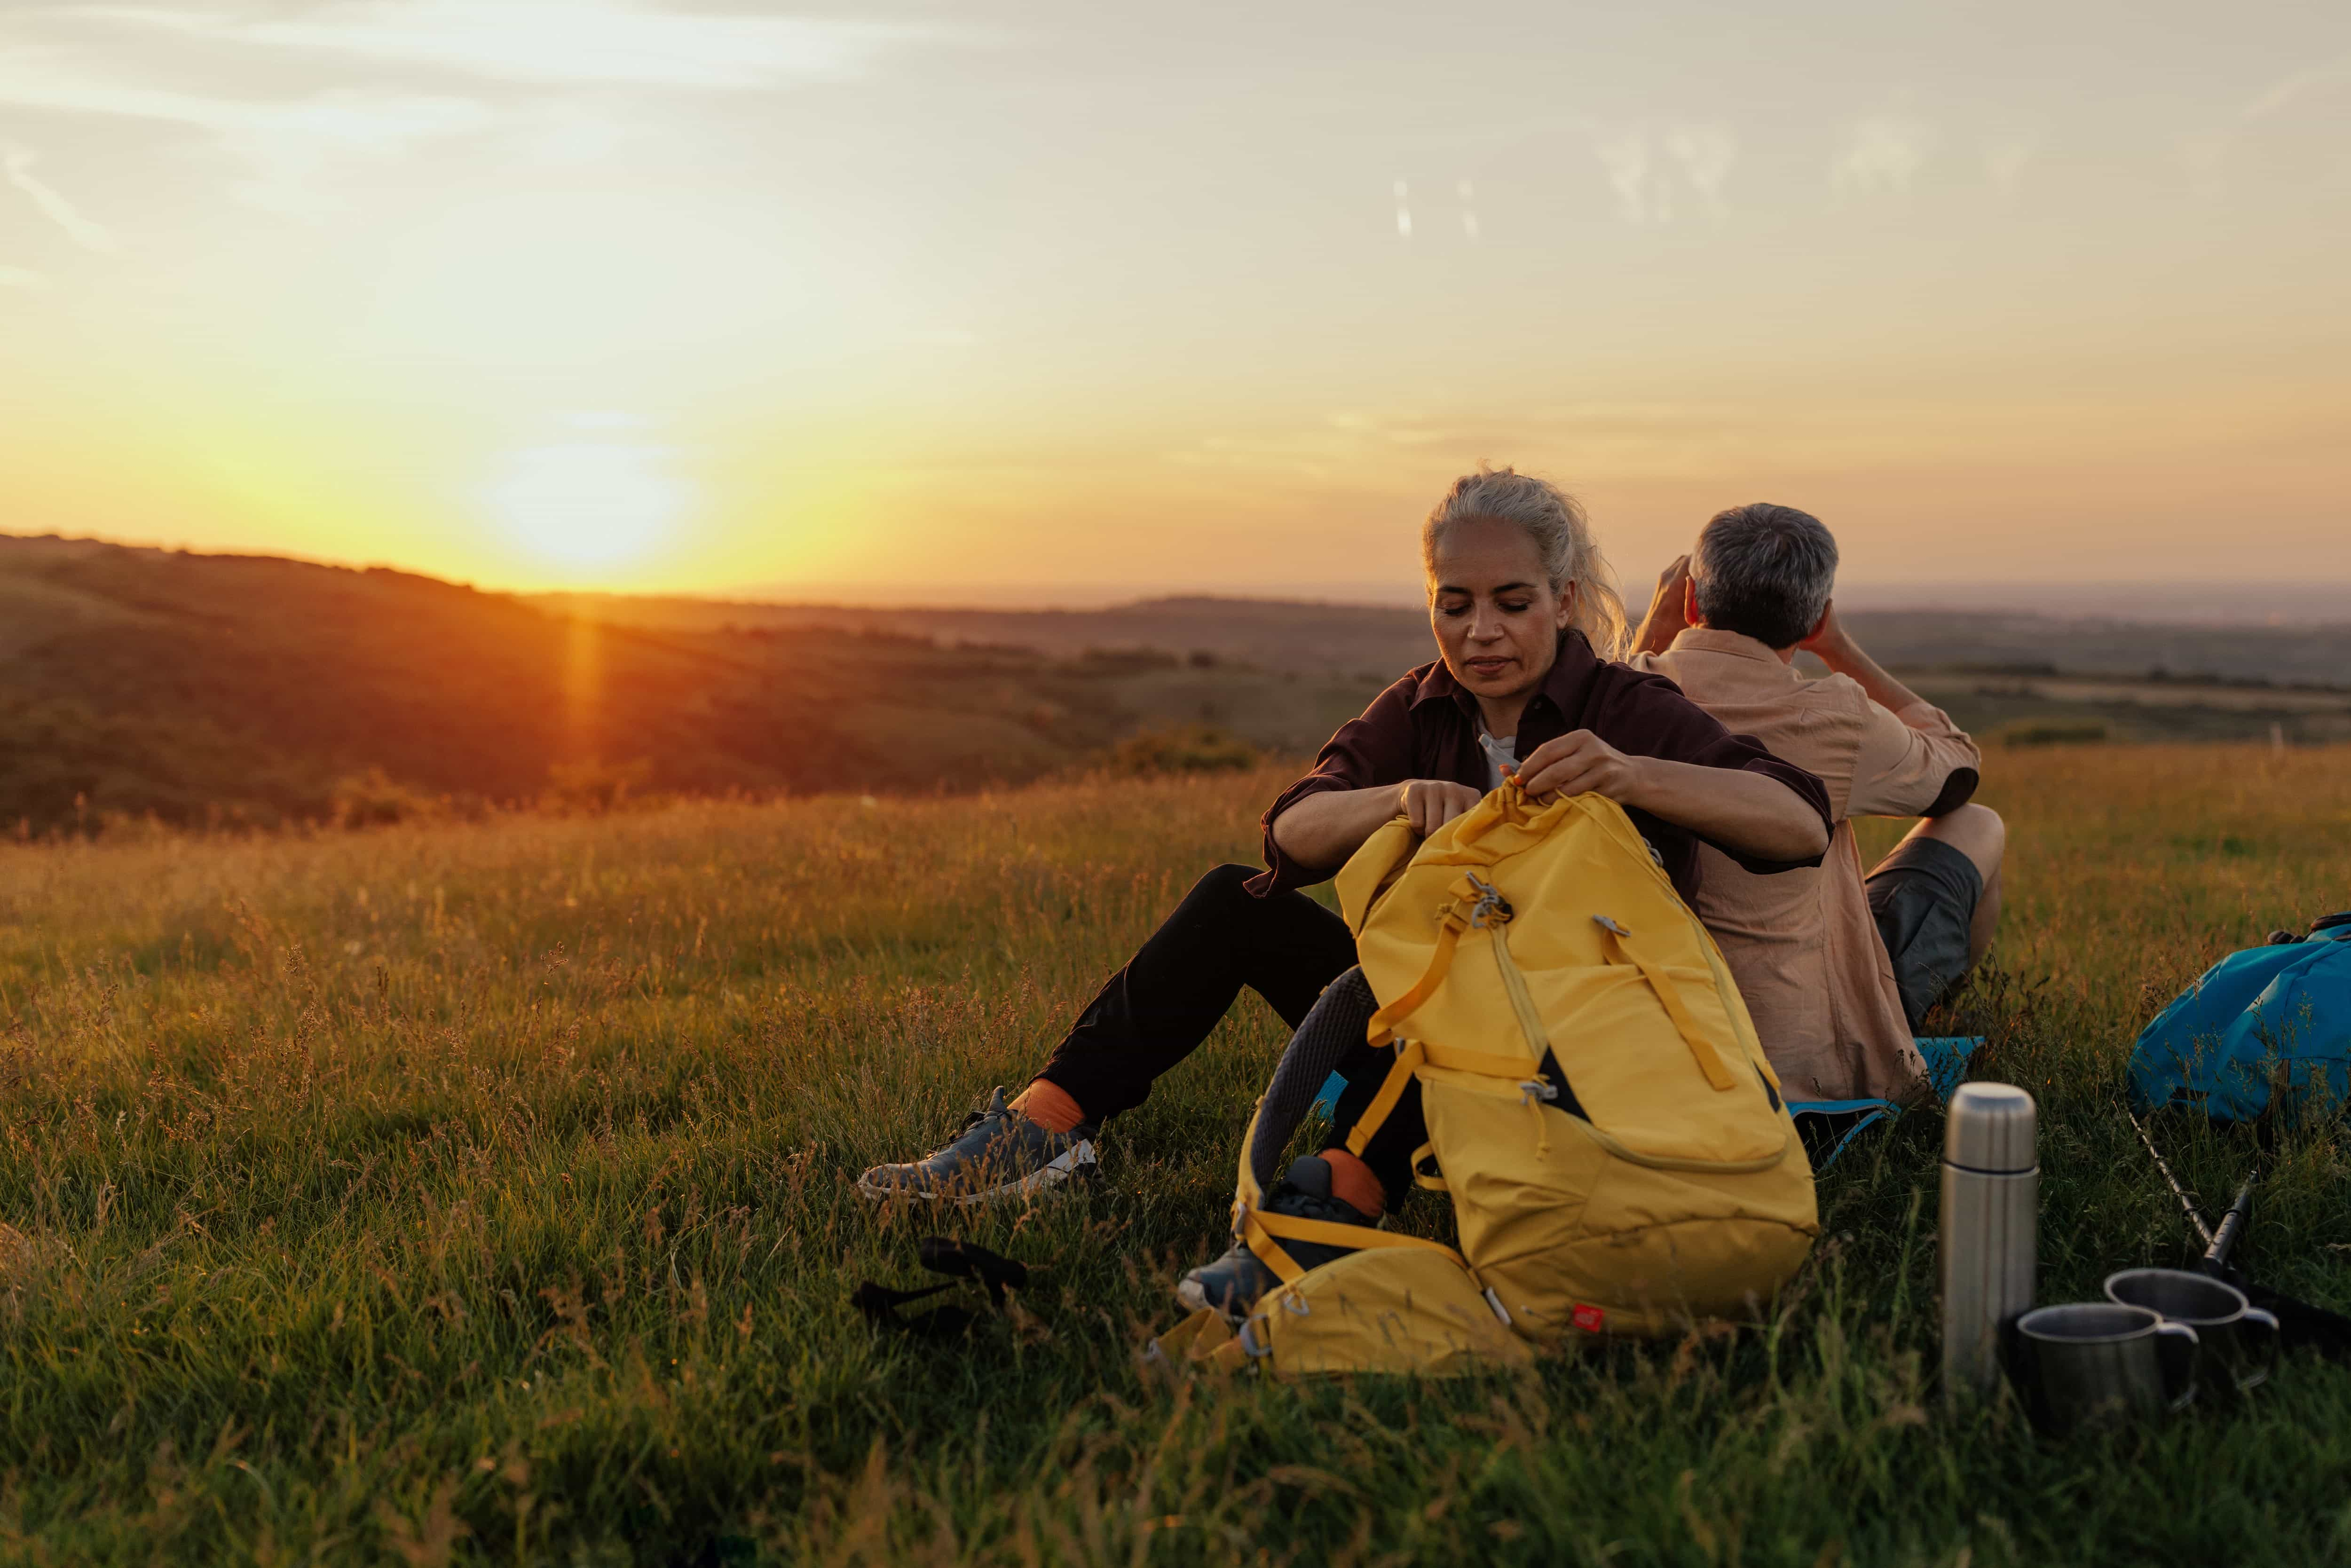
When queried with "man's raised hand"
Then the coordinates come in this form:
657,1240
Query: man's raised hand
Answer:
1828,637
1666,617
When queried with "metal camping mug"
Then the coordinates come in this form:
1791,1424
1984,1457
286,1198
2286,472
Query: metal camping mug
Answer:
2241,1339
2098,1361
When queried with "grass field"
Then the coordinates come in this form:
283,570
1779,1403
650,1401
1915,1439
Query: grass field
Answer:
479,1193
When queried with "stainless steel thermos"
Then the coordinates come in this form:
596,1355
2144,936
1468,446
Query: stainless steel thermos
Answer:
1991,1184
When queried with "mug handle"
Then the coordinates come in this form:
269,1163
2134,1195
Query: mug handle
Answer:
2184,1359
2268,1320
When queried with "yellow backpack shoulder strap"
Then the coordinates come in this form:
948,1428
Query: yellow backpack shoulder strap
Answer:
1475,905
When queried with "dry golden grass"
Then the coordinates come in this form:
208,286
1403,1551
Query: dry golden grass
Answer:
475,1192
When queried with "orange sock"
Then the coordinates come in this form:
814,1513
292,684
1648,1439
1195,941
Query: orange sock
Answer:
1049,1106
1352,1182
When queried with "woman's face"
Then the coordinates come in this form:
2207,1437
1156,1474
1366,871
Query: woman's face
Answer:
1496,617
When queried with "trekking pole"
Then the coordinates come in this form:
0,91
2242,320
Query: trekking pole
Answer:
2301,1326
2212,1242
2232,1226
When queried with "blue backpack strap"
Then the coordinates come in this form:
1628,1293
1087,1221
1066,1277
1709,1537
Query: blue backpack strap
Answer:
1828,1126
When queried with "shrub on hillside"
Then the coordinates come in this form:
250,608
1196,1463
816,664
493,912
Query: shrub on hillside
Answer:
375,798
2052,732
594,786
1184,748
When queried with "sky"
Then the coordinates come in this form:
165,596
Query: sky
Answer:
1054,303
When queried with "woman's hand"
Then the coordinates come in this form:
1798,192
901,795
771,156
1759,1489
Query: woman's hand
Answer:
1740,811
1323,829
1433,803
1578,762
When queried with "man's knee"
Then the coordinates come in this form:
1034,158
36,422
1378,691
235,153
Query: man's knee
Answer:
1977,831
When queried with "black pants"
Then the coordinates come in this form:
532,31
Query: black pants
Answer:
1154,1012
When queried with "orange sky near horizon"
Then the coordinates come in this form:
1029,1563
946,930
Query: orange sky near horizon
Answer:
1028,300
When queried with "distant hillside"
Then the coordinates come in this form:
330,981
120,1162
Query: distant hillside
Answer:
196,687
1355,639
250,688
1378,639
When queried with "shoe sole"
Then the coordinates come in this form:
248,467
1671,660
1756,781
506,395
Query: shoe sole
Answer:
1064,1166
1194,1298
1190,1296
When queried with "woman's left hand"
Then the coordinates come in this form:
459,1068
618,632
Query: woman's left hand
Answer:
1577,763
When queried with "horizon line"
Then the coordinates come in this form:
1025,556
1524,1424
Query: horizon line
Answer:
2161,599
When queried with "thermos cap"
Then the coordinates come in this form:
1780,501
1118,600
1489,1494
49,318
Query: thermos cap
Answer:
1991,1127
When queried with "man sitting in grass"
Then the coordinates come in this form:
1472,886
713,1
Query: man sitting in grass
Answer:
1837,969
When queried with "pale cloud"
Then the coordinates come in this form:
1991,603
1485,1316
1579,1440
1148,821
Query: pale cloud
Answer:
1881,155
286,144
577,42
1640,168
21,277
1618,439
17,164
2301,84
2204,154
2004,161
1625,160
1706,154
318,86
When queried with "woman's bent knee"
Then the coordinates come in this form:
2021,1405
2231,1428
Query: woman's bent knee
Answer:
1222,886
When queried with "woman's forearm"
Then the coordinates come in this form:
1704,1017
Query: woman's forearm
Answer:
1322,830
1751,812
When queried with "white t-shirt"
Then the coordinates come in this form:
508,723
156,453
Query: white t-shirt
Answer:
1501,755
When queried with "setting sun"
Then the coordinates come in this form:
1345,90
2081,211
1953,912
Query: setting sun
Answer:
589,504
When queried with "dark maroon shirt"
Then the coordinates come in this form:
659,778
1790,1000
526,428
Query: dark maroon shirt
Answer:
1426,726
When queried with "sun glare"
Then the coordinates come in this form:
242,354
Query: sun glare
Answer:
589,504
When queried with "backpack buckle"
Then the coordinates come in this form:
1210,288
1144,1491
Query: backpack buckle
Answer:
1491,908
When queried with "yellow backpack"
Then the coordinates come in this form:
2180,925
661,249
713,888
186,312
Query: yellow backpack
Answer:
1614,1143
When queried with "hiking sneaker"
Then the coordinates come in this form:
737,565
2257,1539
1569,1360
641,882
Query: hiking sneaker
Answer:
1233,1282
1001,1154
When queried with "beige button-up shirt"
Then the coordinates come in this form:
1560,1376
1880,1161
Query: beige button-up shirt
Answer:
1802,944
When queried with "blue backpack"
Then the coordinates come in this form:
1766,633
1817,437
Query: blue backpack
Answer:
2264,1021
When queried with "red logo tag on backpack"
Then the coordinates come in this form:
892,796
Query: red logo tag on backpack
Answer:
1590,1319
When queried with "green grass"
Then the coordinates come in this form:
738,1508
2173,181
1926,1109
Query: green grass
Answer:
479,1193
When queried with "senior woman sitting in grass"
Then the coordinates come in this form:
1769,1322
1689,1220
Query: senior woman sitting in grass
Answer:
1528,624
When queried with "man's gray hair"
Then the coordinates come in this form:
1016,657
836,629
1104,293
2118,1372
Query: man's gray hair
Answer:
1765,571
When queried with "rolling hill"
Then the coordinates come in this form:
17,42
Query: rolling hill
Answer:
199,687
252,689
